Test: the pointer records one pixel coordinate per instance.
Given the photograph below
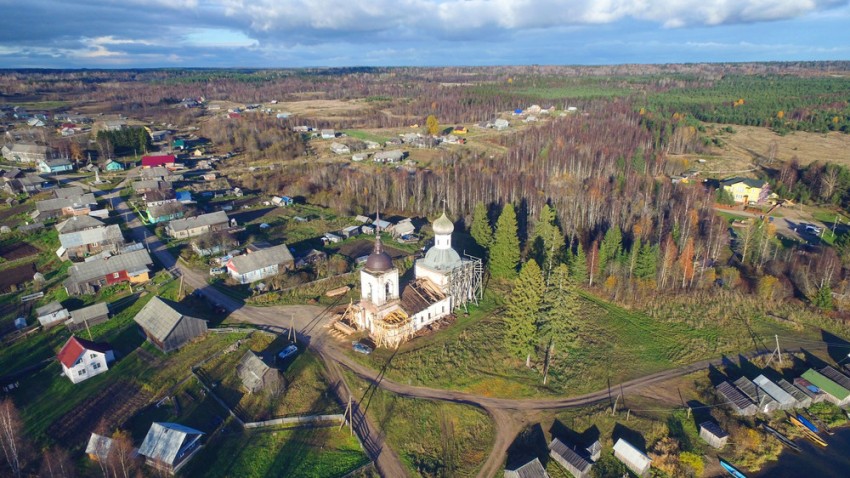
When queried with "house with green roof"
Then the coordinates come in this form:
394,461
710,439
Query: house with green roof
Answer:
835,393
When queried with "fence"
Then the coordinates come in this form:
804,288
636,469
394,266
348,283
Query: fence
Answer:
304,420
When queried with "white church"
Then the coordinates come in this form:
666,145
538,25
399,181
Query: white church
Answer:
443,281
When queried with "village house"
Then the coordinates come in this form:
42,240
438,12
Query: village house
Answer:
282,201
88,316
164,212
169,446
198,225
501,124
357,157
25,183
54,166
746,190
65,206
371,144
392,156
160,173
328,134
166,326
339,148
82,236
51,314
256,375
260,264
112,165
165,160
114,125
312,257
89,277
634,459
25,152
403,228
577,464
82,359
532,469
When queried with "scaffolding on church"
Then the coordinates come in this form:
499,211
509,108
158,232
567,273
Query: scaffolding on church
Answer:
392,330
465,282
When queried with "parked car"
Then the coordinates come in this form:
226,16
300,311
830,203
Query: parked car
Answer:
363,349
289,351
214,271
813,229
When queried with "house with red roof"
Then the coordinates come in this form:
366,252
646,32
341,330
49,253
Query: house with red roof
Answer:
82,359
160,160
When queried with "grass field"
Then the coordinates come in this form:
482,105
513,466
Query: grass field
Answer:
470,355
365,135
301,453
433,439
306,392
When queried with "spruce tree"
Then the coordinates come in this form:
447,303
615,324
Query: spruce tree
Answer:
610,248
548,240
647,263
578,266
481,230
823,298
504,254
557,323
522,309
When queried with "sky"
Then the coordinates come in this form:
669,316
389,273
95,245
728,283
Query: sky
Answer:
311,33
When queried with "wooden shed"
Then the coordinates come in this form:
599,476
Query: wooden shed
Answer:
88,316
532,469
166,326
713,434
578,465
785,400
634,459
739,402
803,399
256,375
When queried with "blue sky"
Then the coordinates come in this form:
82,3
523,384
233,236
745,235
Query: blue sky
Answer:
296,33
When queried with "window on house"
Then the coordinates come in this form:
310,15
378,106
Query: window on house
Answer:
82,372
92,355
114,275
96,365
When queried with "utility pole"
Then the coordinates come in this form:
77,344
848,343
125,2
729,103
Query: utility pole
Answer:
292,335
776,352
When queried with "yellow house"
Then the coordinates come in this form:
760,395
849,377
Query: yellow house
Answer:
460,130
746,190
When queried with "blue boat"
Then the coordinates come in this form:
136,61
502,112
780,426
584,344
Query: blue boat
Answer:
811,426
731,469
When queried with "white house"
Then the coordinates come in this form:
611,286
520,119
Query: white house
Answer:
328,134
261,264
340,148
82,359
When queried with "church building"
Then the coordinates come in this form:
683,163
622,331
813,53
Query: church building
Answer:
443,281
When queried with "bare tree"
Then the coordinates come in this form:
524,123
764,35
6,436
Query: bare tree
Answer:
120,456
56,463
12,438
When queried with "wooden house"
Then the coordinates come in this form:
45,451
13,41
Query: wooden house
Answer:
576,464
98,447
260,264
169,446
89,277
166,326
88,316
198,225
256,375
82,359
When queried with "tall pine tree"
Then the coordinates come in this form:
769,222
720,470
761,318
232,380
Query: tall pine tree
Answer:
521,311
481,230
557,323
610,248
504,254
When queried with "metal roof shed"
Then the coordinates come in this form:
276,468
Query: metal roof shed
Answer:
576,464
803,399
834,392
765,403
739,402
785,400
169,446
713,434
532,469
633,458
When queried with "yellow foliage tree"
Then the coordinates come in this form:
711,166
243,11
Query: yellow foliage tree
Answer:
781,114
432,124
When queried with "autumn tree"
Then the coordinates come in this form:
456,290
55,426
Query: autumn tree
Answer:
12,440
56,463
686,263
481,230
504,254
120,457
558,320
432,124
522,309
